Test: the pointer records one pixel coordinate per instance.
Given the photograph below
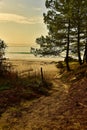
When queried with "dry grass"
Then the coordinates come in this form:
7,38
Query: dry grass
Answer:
16,87
64,109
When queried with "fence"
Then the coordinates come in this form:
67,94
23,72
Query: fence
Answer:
32,72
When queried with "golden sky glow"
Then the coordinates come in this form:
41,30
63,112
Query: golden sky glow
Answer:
21,21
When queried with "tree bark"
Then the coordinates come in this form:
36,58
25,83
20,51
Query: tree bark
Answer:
78,38
78,45
67,50
86,47
85,53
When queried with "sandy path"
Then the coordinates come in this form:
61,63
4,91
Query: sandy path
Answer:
41,114
44,113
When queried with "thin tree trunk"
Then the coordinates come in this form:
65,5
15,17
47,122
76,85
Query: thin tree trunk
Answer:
78,40
67,51
86,47
85,53
78,48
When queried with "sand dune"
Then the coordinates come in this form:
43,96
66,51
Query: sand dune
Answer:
34,66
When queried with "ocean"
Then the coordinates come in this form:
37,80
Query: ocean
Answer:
23,53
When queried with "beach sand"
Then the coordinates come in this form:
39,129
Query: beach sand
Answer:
34,66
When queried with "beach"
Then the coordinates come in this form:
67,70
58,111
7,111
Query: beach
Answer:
20,60
57,110
34,66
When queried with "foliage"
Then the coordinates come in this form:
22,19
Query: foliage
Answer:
2,49
67,30
14,89
2,58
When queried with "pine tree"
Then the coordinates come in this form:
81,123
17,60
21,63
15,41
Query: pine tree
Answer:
78,16
66,21
58,24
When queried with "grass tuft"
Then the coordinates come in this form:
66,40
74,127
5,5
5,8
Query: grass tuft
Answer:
14,89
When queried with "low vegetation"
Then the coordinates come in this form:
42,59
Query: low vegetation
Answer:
64,108
77,73
14,89
74,107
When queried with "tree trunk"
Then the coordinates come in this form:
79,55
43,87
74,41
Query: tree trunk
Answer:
67,51
78,41
86,47
78,46
85,53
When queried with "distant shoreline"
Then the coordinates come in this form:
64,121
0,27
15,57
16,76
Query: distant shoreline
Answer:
36,59
23,53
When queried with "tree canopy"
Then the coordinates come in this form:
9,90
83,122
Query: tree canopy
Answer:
66,22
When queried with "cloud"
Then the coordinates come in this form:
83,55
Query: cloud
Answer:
21,6
37,9
1,4
8,17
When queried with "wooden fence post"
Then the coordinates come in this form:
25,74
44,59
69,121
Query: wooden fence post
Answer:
42,74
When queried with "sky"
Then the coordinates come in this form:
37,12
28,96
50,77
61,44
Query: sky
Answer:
21,21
